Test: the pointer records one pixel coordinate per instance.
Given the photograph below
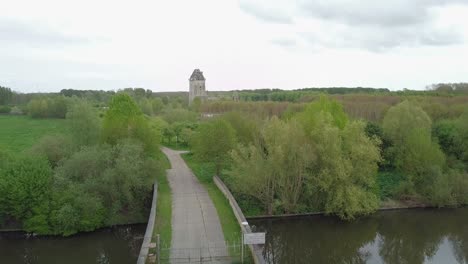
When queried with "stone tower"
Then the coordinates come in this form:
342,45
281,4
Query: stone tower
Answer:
197,86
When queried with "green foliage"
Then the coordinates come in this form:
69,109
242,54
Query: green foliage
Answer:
157,105
447,134
323,167
246,127
77,212
117,179
146,106
25,185
53,147
125,120
5,95
55,107
173,115
280,162
308,118
344,179
84,124
213,141
99,185
418,157
389,184
4,109
462,128
402,119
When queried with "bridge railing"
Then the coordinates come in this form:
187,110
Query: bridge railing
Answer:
256,250
145,246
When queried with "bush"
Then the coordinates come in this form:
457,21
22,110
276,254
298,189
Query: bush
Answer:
116,181
53,147
25,189
4,109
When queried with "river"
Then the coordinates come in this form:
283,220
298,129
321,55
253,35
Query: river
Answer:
117,245
401,236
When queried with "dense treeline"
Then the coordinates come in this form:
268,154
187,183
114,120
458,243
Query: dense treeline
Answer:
5,95
298,95
318,158
360,106
53,105
99,174
345,153
454,88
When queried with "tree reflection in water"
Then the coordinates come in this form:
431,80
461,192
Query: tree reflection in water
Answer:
404,236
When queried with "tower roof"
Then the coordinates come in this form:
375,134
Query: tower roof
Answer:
197,75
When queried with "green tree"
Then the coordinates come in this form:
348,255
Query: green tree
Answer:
213,142
447,134
196,104
116,181
84,124
308,117
277,165
124,119
413,151
179,115
5,95
401,119
462,127
146,106
344,175
246,126
53,147
157,105
25,188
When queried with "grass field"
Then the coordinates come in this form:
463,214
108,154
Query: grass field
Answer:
18,133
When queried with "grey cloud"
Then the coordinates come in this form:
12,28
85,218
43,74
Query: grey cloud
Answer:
367,24
19,32
378,40
267,13
371,12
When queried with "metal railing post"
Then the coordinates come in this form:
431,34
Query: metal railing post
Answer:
242,248
158,248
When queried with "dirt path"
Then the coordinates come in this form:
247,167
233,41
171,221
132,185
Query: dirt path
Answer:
196,229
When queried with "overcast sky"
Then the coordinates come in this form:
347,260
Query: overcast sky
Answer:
49,45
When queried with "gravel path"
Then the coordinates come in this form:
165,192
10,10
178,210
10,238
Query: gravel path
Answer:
196,229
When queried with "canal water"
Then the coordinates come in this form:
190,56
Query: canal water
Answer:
117,245
403,236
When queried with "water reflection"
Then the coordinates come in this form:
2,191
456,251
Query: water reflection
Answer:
409,236
116,245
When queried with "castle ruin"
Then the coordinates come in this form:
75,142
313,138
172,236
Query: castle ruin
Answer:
197,86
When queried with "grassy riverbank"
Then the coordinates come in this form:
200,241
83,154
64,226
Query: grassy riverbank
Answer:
163,210
204,173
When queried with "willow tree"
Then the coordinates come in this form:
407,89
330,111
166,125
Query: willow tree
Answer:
274,168
213,141
343,181
84,124
413,151
124,119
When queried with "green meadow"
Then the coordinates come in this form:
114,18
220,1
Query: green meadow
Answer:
18,133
